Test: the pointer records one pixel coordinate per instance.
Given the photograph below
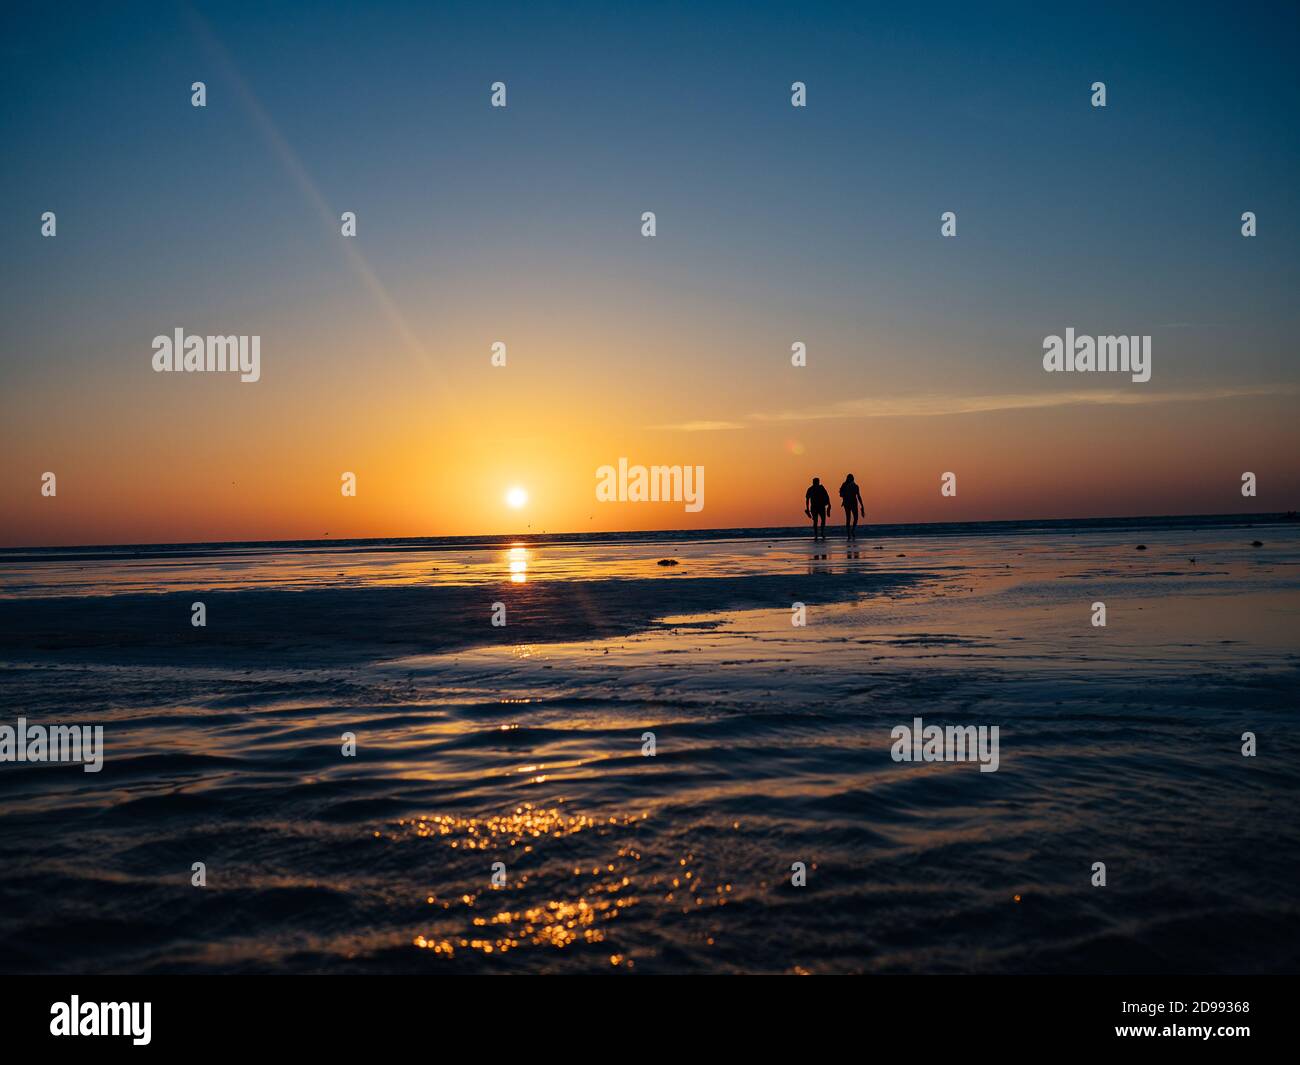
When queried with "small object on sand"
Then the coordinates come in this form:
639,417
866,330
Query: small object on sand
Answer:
900,555
1257,543
667,562
1141,547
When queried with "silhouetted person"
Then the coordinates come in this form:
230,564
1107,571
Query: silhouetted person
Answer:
817,504
851,500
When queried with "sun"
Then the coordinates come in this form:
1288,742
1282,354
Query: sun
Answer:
516,497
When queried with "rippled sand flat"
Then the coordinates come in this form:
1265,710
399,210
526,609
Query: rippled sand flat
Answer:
523,745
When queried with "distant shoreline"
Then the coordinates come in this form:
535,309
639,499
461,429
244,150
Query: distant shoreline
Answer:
122,552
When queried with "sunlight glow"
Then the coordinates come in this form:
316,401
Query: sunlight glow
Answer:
516,497
518,565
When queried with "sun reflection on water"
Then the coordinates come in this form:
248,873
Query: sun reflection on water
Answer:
518,559
496,920
555,923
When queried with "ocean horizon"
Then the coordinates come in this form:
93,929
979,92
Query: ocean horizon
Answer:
434,543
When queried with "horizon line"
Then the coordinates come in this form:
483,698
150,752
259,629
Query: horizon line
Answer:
719,533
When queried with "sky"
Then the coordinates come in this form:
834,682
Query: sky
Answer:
522,224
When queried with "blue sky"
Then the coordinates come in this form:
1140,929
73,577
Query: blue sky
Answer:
774,222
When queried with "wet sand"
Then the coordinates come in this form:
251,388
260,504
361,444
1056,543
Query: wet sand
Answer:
524,745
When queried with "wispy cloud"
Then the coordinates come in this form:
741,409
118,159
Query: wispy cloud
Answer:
934,406
929,406
700,427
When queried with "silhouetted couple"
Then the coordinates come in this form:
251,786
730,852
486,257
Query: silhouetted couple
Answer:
817,505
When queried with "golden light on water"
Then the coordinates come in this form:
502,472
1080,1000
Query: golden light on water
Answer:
518,559
483,919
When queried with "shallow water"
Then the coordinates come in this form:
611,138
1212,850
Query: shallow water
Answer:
523,745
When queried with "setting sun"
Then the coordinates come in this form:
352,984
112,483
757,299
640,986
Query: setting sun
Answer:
516,497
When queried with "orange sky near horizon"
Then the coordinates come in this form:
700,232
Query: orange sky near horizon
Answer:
189,472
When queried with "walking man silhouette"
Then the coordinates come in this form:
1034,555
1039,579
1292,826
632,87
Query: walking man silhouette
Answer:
851,500
817,504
